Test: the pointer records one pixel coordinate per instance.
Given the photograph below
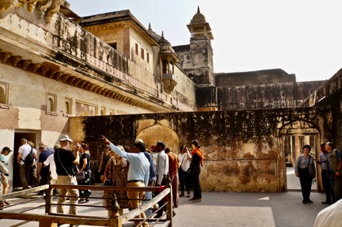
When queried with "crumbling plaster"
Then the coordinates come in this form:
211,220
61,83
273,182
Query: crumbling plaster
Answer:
242,149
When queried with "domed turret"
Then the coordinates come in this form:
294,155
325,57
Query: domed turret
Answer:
154,35
199,27
169,60
162,40
198,17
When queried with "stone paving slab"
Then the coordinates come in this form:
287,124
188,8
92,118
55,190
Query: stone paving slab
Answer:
249,209
221,209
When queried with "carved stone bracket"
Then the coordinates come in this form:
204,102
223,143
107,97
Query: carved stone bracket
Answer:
52,72
169,82
41,7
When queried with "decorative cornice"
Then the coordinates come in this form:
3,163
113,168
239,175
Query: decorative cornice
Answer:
49,71
104,27
122,24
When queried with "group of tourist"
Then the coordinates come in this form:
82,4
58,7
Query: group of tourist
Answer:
139,167
119,166
330,161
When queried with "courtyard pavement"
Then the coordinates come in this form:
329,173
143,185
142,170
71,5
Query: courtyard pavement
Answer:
217,209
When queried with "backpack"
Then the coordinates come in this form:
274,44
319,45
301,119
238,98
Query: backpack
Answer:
29,158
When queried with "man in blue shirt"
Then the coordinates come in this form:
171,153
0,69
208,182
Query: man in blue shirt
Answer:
152,176
43,171
138,172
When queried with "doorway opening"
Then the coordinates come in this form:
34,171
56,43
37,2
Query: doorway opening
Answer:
30,136
292,141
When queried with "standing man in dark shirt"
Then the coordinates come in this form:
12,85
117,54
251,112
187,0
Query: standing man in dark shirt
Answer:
335,170
323,162
65,159
43,171
84,166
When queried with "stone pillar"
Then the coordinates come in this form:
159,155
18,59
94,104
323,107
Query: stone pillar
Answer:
297,149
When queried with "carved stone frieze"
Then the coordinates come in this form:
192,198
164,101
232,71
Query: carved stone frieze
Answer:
53,72
6,4
42,8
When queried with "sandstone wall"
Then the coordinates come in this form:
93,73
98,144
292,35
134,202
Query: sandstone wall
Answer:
242,149
271,95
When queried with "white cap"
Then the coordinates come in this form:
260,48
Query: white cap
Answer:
139,141
65,138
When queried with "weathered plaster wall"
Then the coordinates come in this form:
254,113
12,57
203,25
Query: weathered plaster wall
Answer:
109,34
196,60
270,95
330,94
185,88
254,78
241,148
136,38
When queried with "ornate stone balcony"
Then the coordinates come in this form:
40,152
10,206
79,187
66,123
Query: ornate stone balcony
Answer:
169,82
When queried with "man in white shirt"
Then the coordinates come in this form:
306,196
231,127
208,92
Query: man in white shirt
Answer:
25,170
184,164
50,161
162,170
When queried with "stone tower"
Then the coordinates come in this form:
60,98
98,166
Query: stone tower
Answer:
199,65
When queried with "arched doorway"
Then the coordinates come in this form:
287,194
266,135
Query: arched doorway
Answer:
293,136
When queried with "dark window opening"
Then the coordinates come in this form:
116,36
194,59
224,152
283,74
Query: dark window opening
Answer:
113,45
136,49
142,53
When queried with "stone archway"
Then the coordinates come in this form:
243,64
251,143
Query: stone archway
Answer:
151,131
293,136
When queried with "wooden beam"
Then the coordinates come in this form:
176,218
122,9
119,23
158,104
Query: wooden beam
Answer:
23,192
145,206
62,219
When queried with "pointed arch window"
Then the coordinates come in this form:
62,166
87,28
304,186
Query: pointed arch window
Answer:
51,103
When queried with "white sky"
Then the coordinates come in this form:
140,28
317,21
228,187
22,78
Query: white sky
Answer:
303,37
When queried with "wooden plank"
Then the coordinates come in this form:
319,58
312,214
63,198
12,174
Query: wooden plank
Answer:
145,206
48,201
56,219
24,192
47,223
169,206
166,224
107,188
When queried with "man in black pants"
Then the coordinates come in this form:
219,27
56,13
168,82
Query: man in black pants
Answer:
323,162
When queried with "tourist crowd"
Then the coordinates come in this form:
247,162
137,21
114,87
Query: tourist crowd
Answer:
125,166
